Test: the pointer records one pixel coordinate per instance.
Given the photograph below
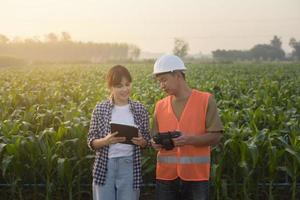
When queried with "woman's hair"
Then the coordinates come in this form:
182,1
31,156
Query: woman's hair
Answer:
115,75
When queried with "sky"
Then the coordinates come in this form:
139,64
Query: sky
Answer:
152,25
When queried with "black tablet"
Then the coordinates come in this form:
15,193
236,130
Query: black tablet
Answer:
124,131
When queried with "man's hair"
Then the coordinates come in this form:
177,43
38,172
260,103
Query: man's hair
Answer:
172,73
183,75
115,75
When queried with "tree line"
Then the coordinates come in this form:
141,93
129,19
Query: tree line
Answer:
61,48
272,51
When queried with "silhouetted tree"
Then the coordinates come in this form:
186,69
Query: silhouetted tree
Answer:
276,42
231,55
267,52
66,37
133,52
61,48
272,51
6,61
51,37
296,48
181,47
3,39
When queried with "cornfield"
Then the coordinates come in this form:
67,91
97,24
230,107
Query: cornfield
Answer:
45,113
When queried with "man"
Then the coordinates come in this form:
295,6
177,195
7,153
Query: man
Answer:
183,172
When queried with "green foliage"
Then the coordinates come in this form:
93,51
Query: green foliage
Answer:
45,113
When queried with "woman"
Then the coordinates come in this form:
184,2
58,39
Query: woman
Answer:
117,167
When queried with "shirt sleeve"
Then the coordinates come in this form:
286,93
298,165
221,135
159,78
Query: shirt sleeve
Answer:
213,121
94,128
146,128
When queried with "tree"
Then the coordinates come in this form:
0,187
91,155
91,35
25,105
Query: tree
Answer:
61,48
181,47
133,52
292,42
276,42
66,37
51,37
267,52
3,39
231,55
296,46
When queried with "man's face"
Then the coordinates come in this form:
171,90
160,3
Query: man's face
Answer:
168,82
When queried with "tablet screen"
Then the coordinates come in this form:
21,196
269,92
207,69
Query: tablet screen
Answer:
124,131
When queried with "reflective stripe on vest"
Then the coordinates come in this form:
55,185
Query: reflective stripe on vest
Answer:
183,160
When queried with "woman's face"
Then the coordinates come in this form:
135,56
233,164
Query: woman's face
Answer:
121,92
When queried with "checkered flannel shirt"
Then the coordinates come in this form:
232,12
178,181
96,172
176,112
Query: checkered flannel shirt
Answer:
100,126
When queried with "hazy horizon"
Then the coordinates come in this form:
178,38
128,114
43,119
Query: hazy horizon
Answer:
153,25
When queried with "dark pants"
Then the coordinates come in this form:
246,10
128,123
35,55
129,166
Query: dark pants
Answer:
181,190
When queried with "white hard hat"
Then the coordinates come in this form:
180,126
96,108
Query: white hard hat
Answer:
168,63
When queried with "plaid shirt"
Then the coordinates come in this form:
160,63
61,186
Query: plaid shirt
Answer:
100,127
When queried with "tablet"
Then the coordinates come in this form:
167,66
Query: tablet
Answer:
124,131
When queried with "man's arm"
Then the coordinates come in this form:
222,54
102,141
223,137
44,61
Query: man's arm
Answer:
207,139
154,131
214,129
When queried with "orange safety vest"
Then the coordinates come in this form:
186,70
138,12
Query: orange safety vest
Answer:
188,162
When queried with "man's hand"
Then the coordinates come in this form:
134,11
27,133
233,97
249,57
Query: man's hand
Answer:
206,139
181,140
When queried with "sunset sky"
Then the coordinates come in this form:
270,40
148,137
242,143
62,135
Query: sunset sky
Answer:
153,24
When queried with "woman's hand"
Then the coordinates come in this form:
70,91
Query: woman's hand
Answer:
140,141
112,139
